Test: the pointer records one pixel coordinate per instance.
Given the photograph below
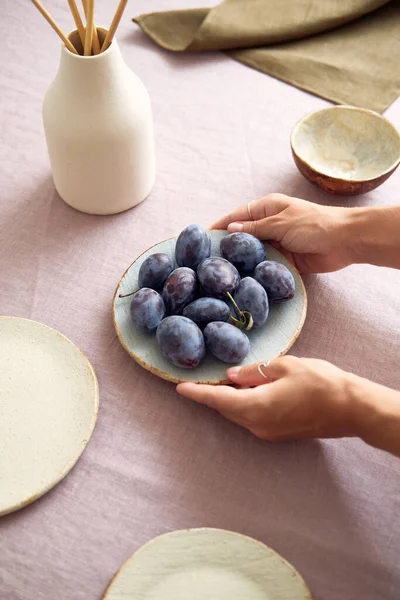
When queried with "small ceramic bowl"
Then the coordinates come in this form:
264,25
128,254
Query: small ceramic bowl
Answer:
346,150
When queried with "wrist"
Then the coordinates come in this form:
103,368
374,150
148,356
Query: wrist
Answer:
375,413
355,233
363,411
370,235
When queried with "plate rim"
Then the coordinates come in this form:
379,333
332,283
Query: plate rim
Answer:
73,461
248,538
170,378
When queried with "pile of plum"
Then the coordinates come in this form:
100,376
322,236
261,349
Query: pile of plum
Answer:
208,302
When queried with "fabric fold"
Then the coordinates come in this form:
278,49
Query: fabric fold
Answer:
346,52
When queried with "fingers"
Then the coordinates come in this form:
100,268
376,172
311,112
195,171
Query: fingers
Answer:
222,398
254,211
265,410
264,372
263,229
249,375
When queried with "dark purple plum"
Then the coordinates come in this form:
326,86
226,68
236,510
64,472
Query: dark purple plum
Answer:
217,277
250,296
276,280
226,342
206,310
154,271
181,342
243,250
147,309
179,290
192,247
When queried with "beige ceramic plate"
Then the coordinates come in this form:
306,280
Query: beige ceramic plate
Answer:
283,327
48,408
346,150
206,564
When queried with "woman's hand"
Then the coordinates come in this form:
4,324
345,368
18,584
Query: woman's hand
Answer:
305,398
317,239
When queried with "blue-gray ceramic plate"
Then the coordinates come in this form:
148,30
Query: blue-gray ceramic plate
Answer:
274,339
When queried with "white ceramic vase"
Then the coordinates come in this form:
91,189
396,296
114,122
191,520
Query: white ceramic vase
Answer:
99,131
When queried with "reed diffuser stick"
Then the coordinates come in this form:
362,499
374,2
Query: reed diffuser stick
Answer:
114,24
89,28
96,42
54,25
78,21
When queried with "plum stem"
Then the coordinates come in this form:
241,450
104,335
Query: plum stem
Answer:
237,323
127,295
235,306
248,320
244,317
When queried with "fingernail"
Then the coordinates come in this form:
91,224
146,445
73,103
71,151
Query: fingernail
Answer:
233,372
233,227
180,388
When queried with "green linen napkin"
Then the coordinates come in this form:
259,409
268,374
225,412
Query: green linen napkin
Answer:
346,51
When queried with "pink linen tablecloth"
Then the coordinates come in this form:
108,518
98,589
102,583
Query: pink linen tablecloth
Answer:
156,462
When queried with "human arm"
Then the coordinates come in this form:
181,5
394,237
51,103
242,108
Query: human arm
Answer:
320,239
302,399
311,398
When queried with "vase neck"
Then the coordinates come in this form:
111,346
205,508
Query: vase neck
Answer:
91,71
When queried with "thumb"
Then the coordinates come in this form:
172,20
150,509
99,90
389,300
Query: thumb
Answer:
263,229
